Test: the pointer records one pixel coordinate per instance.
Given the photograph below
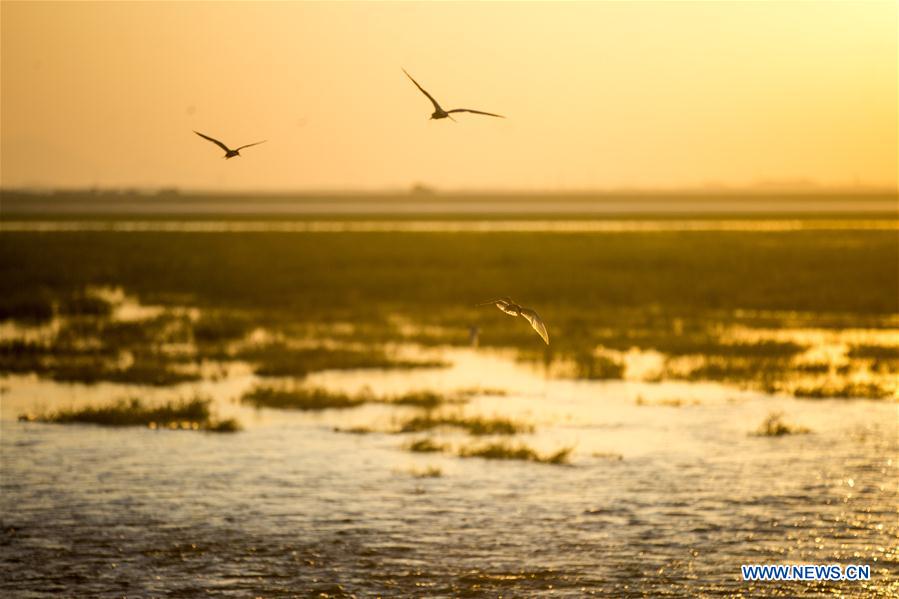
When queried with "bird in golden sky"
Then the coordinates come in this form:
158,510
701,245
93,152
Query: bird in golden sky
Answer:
229,153
440,113
509,307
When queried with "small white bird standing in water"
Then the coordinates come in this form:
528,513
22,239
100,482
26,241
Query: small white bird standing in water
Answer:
509,307
440,113
229,153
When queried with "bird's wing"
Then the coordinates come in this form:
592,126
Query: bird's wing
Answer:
215,141
474,111
503,303
250,145
422,90
536,322
490,302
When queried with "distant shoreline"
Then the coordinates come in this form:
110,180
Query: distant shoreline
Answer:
583,205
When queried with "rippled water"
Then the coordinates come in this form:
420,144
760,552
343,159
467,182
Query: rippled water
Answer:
289,507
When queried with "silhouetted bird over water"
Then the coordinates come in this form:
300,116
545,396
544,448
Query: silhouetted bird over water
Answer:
509,307
440,113
229,153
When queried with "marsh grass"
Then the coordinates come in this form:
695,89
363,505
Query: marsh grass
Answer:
216,327
833,390
428,400
280,360
428,472
508,451
192,414
35,307
152,371
425,445
775,426
473,425
66,363
675,402
608,455
877,352
83,303
592,367
354,430
617,291
316,398
306,399
752,369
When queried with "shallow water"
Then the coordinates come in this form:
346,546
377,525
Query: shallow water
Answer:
290,507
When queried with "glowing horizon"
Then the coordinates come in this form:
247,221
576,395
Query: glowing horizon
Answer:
601,96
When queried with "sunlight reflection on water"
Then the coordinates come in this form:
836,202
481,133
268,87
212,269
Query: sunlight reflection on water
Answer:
290,506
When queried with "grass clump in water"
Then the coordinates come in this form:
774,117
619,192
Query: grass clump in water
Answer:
322,399
507,451
424,399
29,308
193,414
596,368
155,370
425,445
280,360
301,399
478,425
429,472
84,304
877,352
775,426
847,391
667,403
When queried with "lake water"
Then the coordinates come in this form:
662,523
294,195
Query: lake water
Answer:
657,500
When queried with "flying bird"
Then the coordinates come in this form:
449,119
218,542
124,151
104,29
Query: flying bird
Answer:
440,113
229,153
509,307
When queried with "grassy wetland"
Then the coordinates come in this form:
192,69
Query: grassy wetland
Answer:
689,371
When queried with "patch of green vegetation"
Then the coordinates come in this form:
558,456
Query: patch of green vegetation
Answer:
775,426
473,425
307,399
354,430
616,290
667,403
82,303
876,352
691,339
64,363
428,400
215,327
608,455
429,472
425,446
35,307
321,399
185,414
228,425
742,369
507,451
594,367
280,360
843,391
147,370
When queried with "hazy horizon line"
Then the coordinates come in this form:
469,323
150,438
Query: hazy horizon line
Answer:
425,190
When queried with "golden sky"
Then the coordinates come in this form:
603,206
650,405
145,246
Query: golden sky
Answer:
598,95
